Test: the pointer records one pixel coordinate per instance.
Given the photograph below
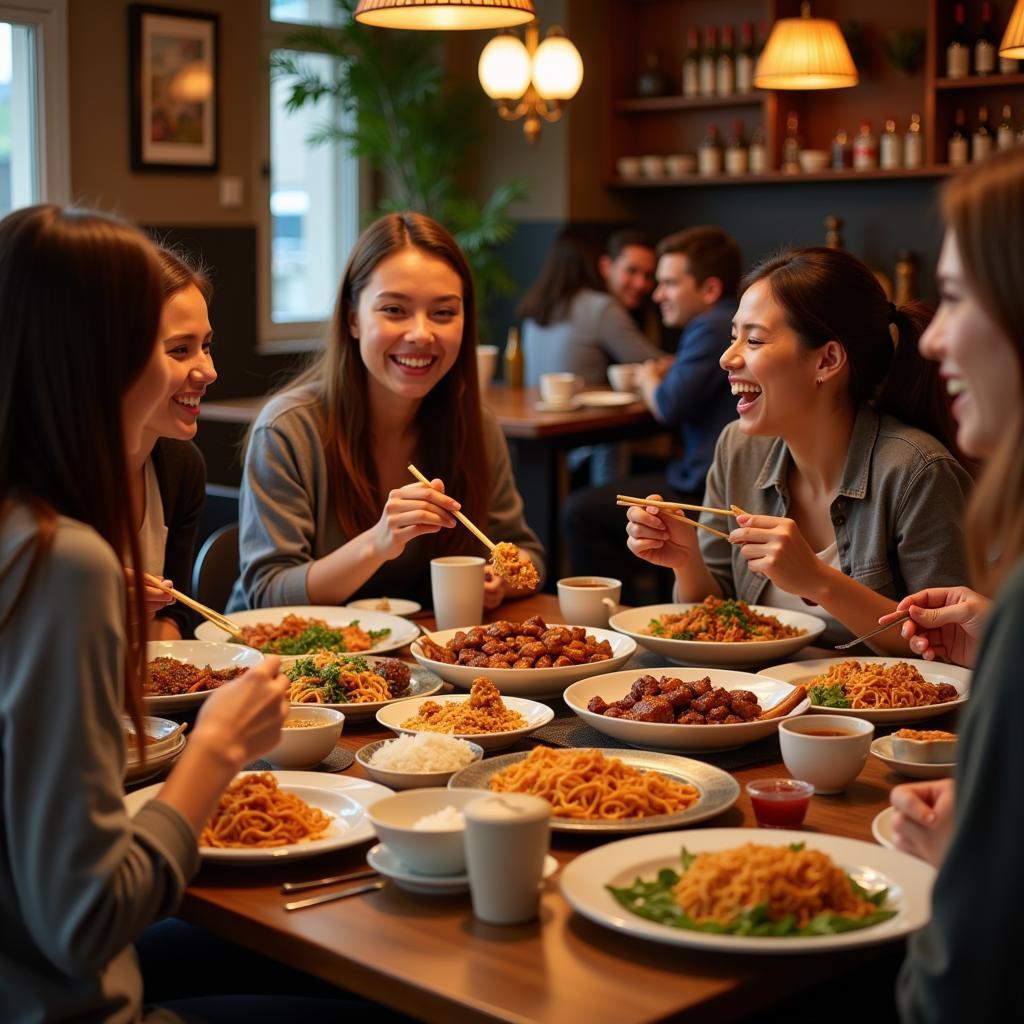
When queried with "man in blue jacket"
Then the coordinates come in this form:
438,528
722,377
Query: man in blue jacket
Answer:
698,277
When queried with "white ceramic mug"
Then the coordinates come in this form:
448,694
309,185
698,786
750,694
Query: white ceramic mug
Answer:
457,585
588,600
486,364
507,838
812,752
557,388
622,376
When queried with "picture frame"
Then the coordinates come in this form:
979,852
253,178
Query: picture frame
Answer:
174,68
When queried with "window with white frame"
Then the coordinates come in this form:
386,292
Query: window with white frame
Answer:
311,197
33,103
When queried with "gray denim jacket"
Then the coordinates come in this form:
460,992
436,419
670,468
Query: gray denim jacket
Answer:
898,514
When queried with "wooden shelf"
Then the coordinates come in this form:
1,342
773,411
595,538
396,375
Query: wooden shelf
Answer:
979,82
655,104
779,178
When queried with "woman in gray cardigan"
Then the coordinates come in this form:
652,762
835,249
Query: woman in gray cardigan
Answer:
329,510
852,501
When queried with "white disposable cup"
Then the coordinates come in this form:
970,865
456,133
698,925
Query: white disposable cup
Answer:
622,376
828,763
486,364
557,388
507,838
457,585
588,600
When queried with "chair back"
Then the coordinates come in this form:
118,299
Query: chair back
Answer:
216,567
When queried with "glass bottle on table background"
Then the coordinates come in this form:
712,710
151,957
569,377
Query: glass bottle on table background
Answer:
958,53
514,363
709,61
746,57
1006,137
985,44
983,141
913,143
691,64
957,146
725,66
904,279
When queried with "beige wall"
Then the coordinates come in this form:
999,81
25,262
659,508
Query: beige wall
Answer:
101,174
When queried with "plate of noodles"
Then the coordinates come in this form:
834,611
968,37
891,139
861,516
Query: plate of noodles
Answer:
888,691
709,889
356,684
532,658
716,632
484,717
180,674
307,629
309,813
608,790
684,709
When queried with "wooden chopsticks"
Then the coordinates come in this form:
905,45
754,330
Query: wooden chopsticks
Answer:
677,510
220,621
473,529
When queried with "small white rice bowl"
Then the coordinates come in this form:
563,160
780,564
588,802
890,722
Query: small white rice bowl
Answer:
417,759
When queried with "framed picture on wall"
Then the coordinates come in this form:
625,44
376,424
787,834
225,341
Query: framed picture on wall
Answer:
174,72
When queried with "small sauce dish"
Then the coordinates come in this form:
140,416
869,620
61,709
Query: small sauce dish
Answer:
780,803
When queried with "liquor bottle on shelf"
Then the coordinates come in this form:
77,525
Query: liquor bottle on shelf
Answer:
984,138
737,156
1006,138
652,81
841,152
904,285
865,148
757,155
913,143
890,147
957,148
514,365
958,54
746,57
691,64
791,145
985,44
709,61
709,156
725,68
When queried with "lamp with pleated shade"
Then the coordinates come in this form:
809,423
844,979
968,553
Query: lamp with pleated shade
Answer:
444,14
1012,45
805,53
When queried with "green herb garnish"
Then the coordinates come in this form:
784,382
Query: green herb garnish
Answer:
317,638
829,697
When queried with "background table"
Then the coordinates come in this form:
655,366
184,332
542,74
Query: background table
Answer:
429,957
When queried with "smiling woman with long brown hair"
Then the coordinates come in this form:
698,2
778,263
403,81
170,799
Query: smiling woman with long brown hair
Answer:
328,511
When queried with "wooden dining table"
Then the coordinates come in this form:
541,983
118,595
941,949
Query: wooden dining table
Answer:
428,957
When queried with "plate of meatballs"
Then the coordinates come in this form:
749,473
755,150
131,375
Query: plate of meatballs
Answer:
684,709
523,659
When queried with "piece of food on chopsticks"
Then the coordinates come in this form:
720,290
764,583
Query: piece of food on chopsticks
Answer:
514,568
758,891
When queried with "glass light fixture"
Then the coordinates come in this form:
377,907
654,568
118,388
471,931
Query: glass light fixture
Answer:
805,53
444,14
1012,45
531,80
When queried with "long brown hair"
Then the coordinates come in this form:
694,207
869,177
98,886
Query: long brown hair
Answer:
180,270
829,294
448,422
80,300
571,265
984,208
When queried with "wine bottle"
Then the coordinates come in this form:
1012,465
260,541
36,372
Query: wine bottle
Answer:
985,45
757,156
725,69
737,157
709,156
865,148
958,56
1006,137
691,64
913,143
890,147
904,285
984,138
746,57
957,147
709,61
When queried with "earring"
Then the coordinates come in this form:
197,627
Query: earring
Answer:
820,380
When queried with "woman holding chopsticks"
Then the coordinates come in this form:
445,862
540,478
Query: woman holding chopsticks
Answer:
846,498
329,511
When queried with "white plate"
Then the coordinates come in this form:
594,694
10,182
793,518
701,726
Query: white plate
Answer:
669,736
908,880
706,652
933,672
882,749
535,714
199,653
718,790
345,798
543,406
881,828
139,771
529,682
421,684
397,779
162,733
397,605
402,631
384,862
605,399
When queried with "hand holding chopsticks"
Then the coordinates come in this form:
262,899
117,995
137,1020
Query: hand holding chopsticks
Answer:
677,510
473,529
220,621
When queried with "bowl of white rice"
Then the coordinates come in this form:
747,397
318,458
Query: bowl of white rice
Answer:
417,760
